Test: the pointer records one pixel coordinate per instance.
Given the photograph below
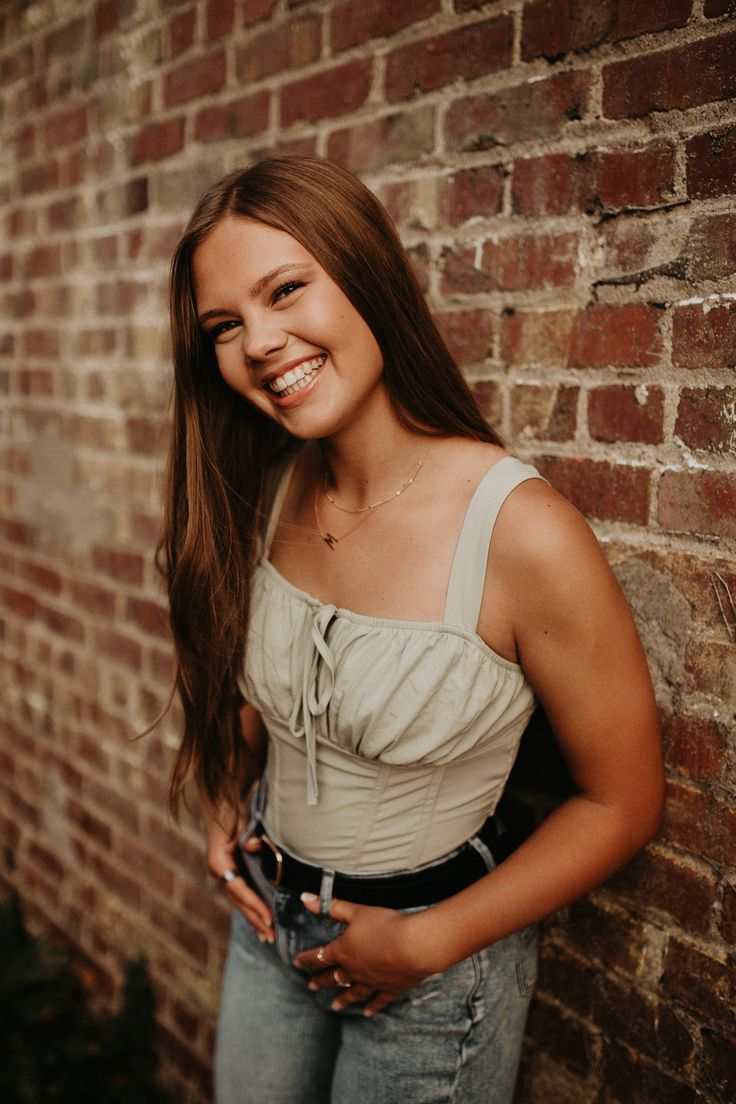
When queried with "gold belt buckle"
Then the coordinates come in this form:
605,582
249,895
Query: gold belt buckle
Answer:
276,880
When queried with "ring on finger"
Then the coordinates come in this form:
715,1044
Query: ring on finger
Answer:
321,956
228,876
342,982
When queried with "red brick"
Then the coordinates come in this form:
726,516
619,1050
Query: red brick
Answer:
148,616
713,8
65,40
711,247
695,746
88,823
359,20
108,15
518,114
468,334
66,127
728,919
711,163
220,18
630,1077
44,577
704,338
17,601
718,1063
236,119
637,1019
698,502
553,185
537,337
611,492
696,821
531,261
552,28
123,649
40,177
182,27
611,937
471,193
698,73
544,412
44,260
95,599
196,78
660,881
158,140
698,982
465,53
393,139
255,10
488,395
63,624
709,668
41,343
461,275
119,564
122,200
334,92
127,889
185,937
626,414
289,45
636,178
559,1035
612,335
706,418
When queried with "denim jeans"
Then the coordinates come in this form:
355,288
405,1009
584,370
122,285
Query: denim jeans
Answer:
453,1039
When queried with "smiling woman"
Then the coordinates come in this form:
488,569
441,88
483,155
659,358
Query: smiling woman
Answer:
368,593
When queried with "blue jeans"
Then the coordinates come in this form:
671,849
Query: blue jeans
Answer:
453,1039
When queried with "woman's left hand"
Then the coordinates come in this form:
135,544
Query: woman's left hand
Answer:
375,961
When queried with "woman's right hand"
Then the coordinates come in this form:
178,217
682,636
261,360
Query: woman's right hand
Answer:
220,850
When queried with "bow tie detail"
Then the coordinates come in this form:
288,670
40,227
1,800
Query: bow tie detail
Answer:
318,683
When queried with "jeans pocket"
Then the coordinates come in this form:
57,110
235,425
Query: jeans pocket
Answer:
527,961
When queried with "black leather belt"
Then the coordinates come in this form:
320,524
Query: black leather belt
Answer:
408,889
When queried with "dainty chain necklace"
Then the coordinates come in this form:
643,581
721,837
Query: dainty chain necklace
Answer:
329,538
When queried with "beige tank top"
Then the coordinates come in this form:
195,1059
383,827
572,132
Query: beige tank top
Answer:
389,742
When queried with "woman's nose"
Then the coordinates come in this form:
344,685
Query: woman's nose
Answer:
262,336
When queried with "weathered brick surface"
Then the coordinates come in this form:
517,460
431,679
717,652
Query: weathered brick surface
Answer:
563,174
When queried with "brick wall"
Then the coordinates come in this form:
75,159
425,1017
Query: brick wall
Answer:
563,172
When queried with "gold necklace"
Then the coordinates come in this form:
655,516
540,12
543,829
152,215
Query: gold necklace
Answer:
329,538
372,505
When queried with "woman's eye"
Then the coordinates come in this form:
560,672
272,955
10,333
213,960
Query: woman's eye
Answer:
222,328
286,289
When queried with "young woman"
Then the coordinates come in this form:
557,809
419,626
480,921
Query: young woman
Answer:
342,614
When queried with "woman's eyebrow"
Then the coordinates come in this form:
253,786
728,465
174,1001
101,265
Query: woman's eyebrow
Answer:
259,285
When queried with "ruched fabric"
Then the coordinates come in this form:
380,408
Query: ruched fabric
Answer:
390,741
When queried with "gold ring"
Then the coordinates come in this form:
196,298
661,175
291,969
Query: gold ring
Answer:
338,979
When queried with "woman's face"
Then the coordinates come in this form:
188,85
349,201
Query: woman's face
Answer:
286,337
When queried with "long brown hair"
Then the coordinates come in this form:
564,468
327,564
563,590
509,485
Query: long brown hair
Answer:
223,450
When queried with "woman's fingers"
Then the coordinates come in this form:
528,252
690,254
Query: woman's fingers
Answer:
254,909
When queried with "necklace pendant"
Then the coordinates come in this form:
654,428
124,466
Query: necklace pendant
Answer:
329,540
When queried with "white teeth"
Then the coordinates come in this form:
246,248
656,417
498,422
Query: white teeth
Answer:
296,378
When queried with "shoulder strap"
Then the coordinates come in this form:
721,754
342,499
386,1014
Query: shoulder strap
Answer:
282,479
468,572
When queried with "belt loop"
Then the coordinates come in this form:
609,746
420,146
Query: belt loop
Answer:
484,851
325,892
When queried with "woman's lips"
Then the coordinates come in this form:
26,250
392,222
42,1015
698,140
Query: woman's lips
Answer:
297,383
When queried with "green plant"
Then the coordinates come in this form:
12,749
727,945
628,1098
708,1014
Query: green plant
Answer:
53,1050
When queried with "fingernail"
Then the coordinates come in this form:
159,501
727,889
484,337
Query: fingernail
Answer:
309,898
367,1012
270,938
336,1006
312,985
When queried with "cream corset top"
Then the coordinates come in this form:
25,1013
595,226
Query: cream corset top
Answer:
389,741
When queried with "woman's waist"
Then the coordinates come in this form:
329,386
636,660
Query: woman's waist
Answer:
378,818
